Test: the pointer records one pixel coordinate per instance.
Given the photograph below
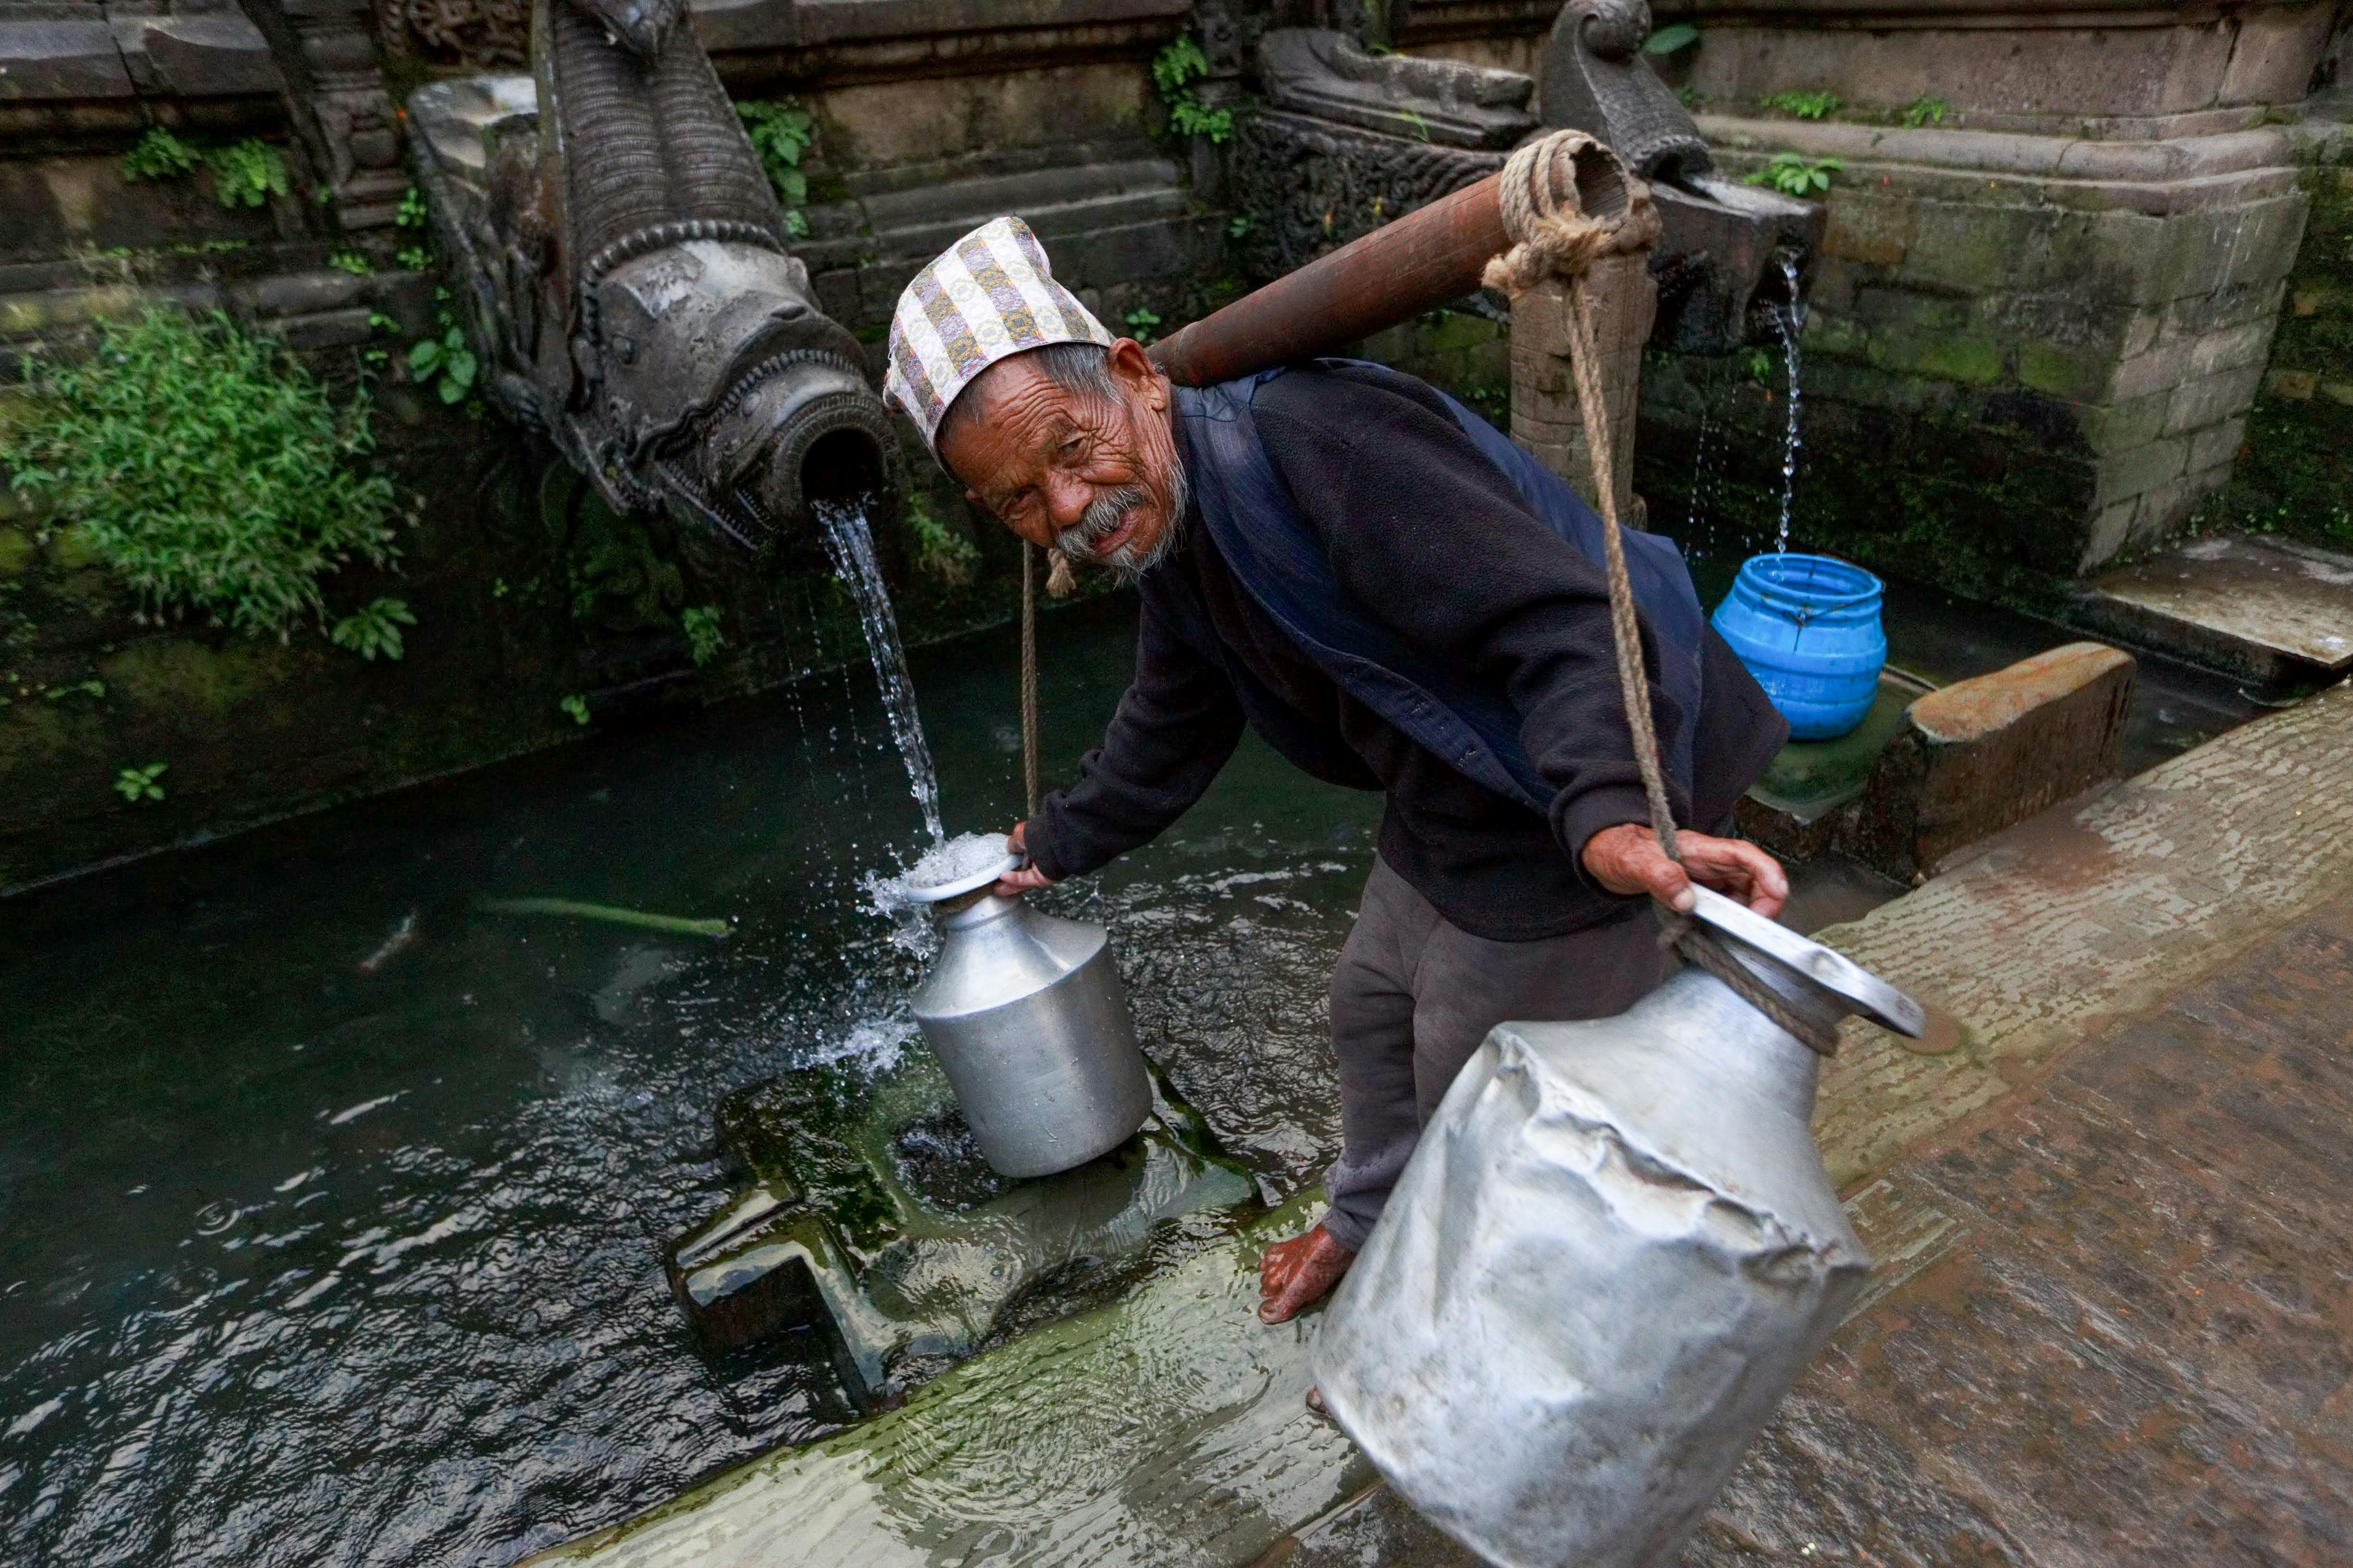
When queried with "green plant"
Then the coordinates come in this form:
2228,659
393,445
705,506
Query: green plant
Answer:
703,638
1761,367
1793,174
939,550
781,133
1142,323
1174,70
1925,111
1672,38
246,172
577,707
353,262
209,468
79,689
135,785
1181,63
374,628
159,155
444,361
411,213
1240,225
1805,105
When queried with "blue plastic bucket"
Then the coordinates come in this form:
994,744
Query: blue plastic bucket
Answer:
1808,628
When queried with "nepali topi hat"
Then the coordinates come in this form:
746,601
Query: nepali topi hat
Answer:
989,295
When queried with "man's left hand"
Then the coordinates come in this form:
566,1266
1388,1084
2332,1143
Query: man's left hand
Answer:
1627,859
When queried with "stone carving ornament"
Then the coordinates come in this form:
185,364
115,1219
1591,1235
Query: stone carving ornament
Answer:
476,33
627,281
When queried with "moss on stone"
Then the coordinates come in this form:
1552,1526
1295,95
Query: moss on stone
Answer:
181,675
71,550
17,552
2294,475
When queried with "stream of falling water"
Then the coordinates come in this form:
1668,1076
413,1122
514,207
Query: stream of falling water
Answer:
850,543
1787,319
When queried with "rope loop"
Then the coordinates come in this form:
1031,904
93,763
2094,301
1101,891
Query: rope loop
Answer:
1566,202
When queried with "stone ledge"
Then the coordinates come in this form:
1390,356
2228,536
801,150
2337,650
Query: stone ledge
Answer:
213,54
1992,168
748,25
2012,152
1979,754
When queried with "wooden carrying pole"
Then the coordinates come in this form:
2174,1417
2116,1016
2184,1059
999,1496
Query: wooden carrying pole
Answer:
1414,264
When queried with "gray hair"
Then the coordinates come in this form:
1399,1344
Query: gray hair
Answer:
1081,369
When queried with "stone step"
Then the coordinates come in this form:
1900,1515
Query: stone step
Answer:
2267,611
1053,202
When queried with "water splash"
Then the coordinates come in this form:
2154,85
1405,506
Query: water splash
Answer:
850,544
1787,319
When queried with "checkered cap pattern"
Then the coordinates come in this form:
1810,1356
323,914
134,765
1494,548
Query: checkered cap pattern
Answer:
990,294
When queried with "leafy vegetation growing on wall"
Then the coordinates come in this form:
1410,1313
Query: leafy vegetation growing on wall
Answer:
159,155
1793,174
245,173
939,550
781,133
209,468
1174,71
1805,105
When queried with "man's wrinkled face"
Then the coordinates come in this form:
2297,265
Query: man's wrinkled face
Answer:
1096,475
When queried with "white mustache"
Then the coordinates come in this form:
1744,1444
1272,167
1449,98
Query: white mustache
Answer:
1102,519
1106,512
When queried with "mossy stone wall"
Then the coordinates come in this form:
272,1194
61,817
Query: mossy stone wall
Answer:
2295,473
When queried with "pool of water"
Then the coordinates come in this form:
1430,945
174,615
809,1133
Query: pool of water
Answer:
331,1207
332,1203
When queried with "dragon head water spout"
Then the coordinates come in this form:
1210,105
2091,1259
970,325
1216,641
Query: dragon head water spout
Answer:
628,286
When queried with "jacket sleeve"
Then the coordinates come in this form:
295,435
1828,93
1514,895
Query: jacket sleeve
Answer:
1431,539
1176,725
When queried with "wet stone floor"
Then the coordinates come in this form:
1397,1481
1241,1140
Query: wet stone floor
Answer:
2108,1327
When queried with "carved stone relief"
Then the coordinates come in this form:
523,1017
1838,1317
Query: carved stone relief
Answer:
1311,185
476,32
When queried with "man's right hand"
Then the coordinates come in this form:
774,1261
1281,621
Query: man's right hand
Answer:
1013,884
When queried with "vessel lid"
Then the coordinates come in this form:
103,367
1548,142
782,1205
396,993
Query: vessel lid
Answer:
962,874
1861,991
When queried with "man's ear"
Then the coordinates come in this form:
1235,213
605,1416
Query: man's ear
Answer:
1132,371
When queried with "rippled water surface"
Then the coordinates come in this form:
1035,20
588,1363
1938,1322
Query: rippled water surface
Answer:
330,1206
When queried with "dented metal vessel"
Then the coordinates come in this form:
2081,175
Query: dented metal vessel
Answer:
628,285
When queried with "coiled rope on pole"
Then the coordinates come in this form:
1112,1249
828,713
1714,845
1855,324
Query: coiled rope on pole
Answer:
1567,204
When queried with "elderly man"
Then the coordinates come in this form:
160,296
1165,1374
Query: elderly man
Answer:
1343,559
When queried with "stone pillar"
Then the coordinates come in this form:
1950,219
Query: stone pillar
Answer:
328,56
1544,416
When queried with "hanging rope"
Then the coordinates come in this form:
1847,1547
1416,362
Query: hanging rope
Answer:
1545,191
1029,678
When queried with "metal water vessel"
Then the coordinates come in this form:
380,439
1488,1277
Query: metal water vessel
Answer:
1613,1250
1026,1014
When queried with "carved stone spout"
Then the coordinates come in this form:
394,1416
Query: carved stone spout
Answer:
628,284
1725,242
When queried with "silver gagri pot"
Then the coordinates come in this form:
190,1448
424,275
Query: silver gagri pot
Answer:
1611,1254
1026,1014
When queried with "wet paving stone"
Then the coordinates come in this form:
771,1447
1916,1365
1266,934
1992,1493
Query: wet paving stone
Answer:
2124,1336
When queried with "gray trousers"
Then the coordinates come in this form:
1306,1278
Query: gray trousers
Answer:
1412,999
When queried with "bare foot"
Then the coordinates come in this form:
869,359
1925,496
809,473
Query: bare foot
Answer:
1296,1274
